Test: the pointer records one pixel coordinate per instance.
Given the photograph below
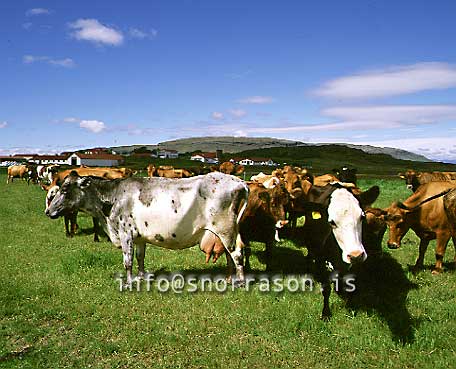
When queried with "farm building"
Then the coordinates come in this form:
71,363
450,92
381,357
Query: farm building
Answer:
94,160
167,154
253,161
206,157
76,159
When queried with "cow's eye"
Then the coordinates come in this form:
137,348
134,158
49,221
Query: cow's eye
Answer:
332,223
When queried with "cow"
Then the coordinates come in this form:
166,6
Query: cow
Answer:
107,173
268,181
325,179
415,179
167,171
24,171
449,204
333,233
374,228
45,172
345,174
424,213
161,211
70,218
231,168
263,217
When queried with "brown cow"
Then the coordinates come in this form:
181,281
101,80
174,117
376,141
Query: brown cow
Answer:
415,179
264,214
27,172
231,168
325,179
167,171
107,173
424,213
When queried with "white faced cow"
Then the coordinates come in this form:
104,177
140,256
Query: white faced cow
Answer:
170,213
333,231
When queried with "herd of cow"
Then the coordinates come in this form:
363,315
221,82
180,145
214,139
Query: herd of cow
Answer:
174,209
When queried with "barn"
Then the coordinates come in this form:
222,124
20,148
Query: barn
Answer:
94,160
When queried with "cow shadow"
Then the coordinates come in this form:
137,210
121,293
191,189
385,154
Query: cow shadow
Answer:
382,287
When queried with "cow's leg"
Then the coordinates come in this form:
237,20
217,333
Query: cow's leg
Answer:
454,244
127,250
66,219
326,291
234,258
247,253
96,229
420,261
140,247
442,242
73,223
322,276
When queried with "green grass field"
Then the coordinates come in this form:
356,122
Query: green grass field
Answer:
60,305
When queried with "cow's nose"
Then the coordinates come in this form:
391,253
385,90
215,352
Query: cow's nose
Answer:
46,212
409,187
357,257
392,245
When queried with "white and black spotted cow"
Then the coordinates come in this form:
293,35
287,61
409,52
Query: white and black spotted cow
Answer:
333,232
170,213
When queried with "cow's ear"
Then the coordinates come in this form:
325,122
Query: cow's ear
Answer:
336,171
368,197
401,175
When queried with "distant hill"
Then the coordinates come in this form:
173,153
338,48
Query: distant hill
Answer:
395,153
231,144
210,144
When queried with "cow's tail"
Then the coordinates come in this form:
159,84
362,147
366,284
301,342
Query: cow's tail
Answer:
243,202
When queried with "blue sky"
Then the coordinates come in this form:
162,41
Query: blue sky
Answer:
79,74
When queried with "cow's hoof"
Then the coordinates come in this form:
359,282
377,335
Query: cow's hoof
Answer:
437,271
326,317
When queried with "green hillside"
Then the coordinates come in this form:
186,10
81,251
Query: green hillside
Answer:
324,158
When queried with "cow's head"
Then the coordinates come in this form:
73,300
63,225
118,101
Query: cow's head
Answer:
346,174
345,217
51,192
396,218
278,201
411,179
292,182
343,212
70,196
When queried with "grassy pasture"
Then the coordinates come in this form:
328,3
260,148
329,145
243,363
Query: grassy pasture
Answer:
60,305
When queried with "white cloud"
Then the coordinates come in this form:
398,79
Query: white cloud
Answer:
393,81
3,124
257,100
37,11
27,25
217,115
238,113
140,34
94,126
71,120
439,148
394,114
66,63
93,31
